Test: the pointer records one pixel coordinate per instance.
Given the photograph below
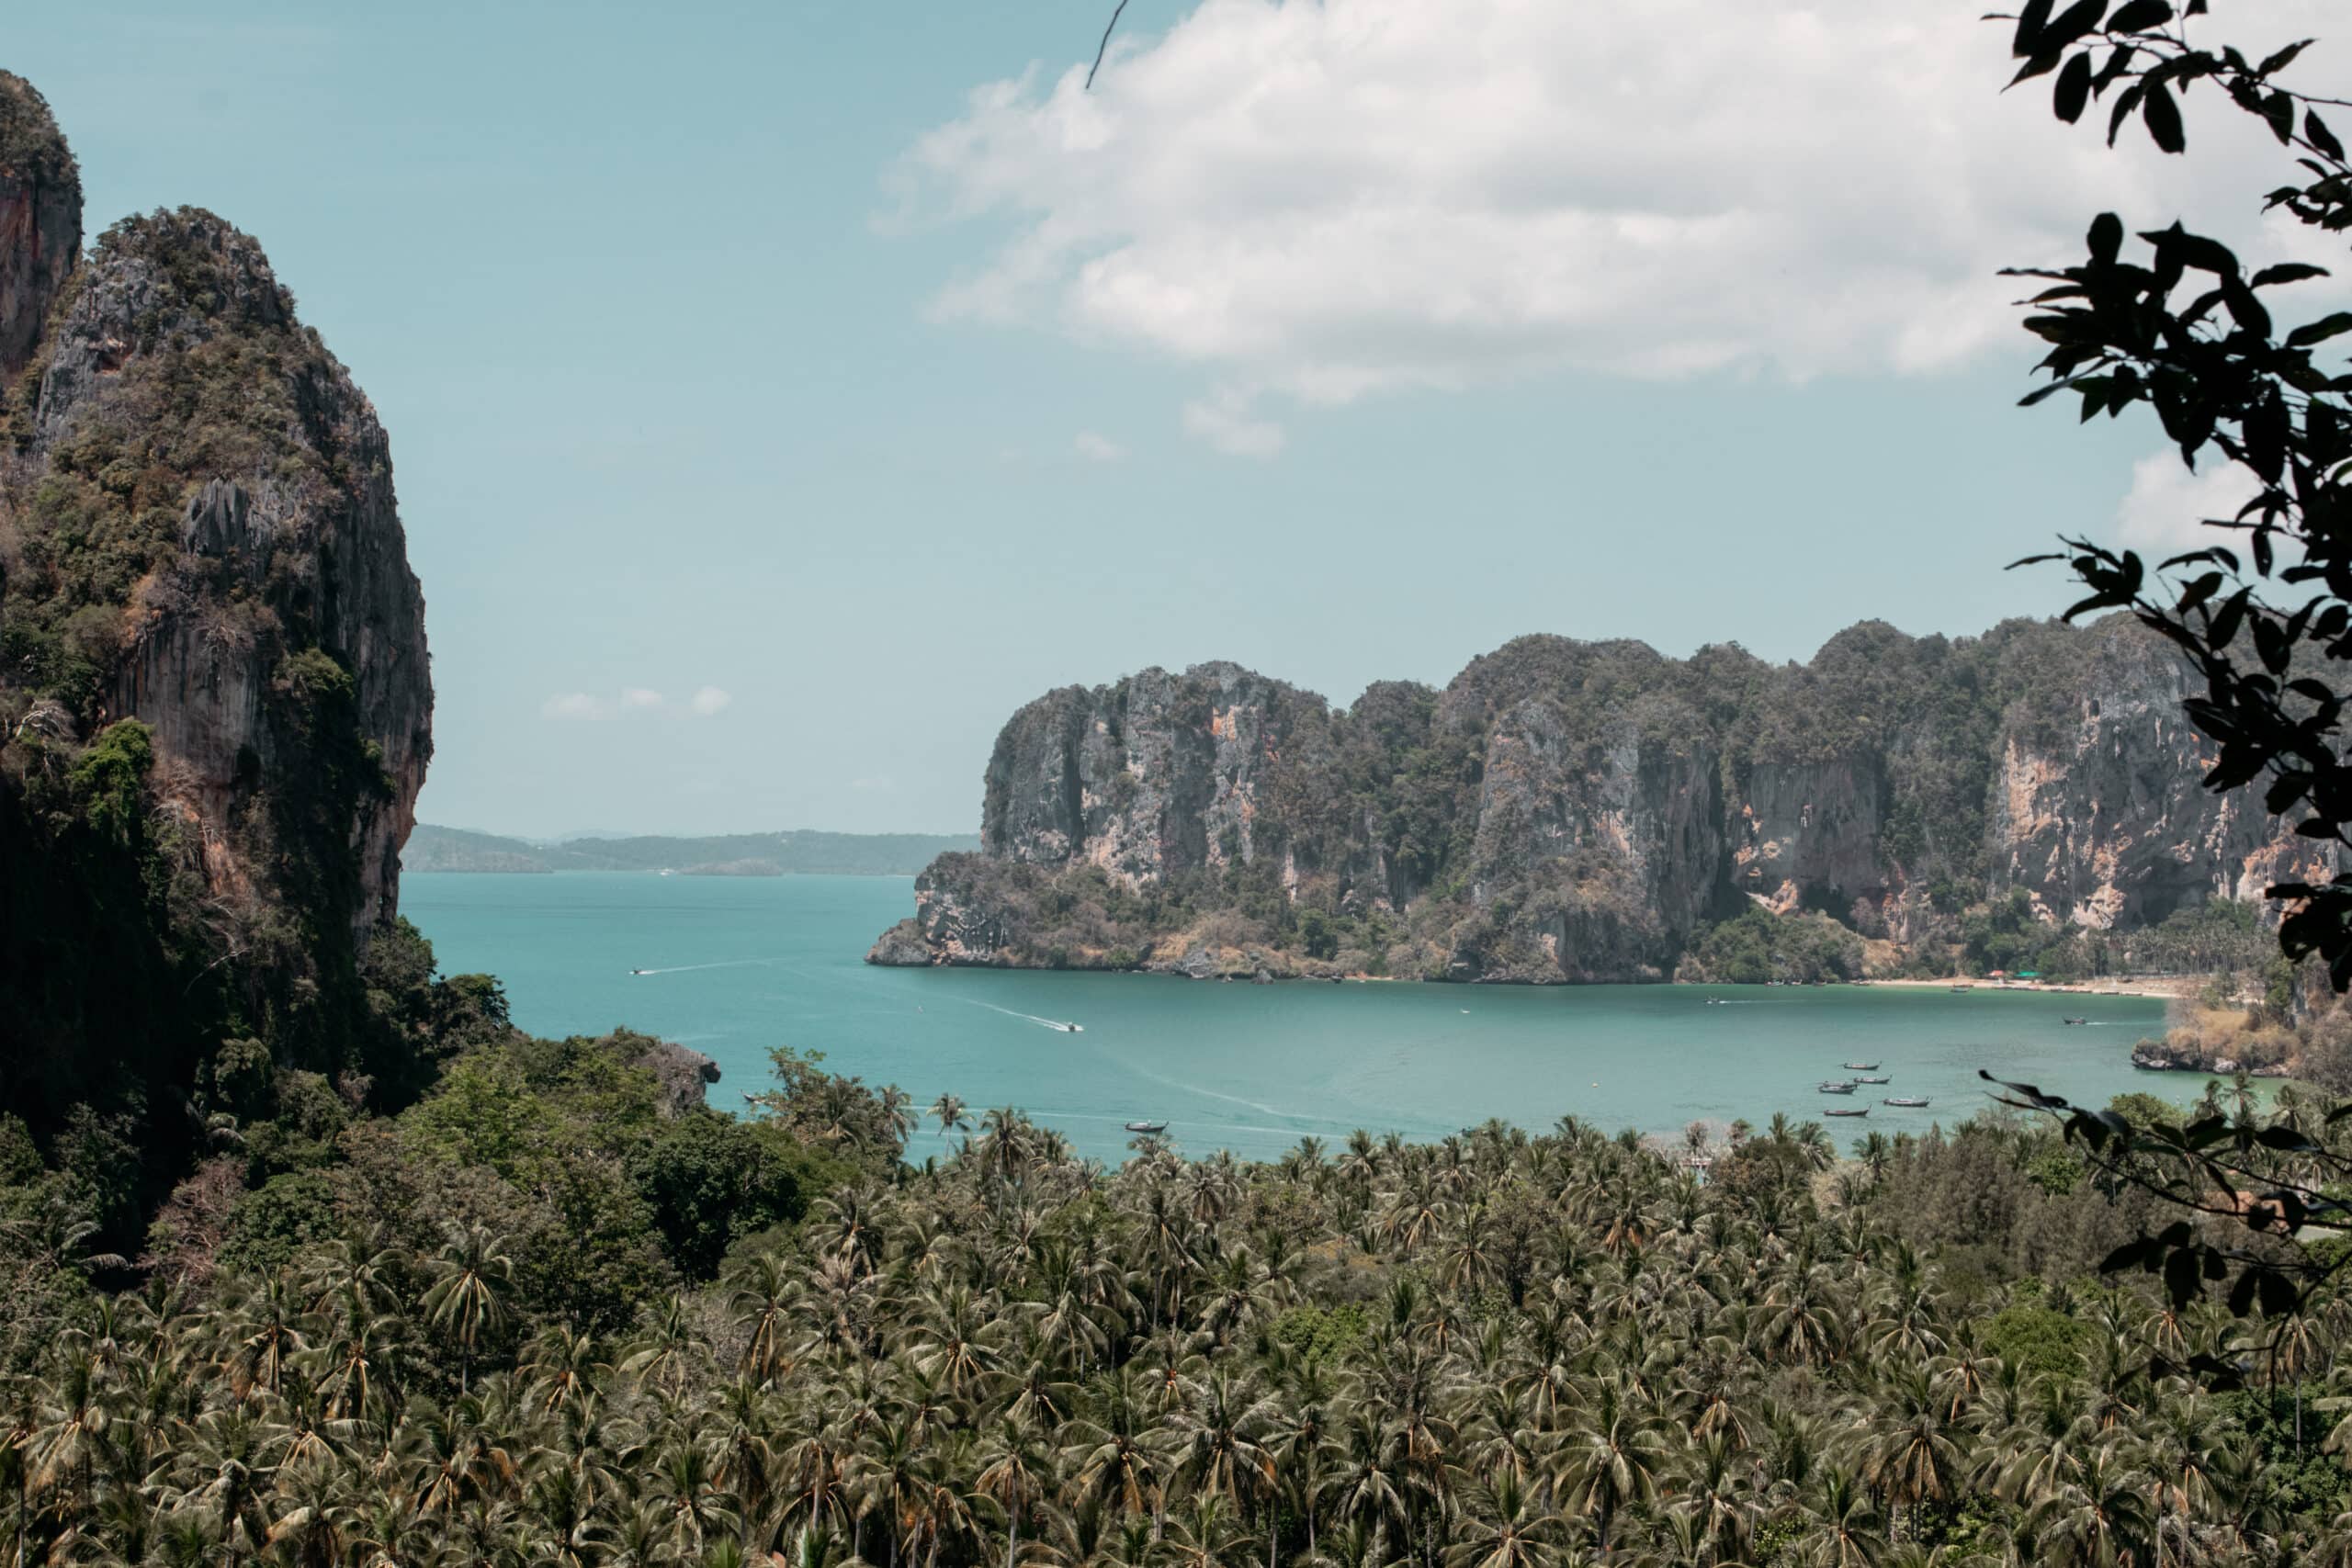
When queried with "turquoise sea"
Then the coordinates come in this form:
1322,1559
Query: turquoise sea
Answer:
736,966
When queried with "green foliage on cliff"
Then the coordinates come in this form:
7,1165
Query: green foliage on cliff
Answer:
140,984
31,146
1759,946
1589,810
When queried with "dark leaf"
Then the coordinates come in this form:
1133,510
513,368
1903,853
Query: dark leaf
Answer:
2073,22
2074,89
2320,330
2180,1277
2282,59
2163,118
2288,272
2040,66
2316,132
2139,16
2031,18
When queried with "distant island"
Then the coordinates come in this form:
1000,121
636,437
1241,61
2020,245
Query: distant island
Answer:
432,849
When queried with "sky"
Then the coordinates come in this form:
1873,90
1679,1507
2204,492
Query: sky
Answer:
782,394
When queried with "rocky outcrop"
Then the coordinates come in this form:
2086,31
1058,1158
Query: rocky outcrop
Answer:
2181,1053
2098,812
680,1075
198,533
290,538
1578,811
40,219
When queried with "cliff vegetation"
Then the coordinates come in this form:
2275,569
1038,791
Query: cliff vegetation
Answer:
1596,811
214,697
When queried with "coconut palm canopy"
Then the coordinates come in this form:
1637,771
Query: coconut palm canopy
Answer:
1502,1350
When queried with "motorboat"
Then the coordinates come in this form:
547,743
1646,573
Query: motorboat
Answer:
2074,1021
1067,1028
1837,1086
1146,1126
1908,1101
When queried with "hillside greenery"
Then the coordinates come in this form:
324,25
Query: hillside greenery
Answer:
556,1313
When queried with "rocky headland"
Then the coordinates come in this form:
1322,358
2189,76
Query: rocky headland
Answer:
1569,811
215,695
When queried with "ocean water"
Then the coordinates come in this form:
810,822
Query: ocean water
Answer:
735,966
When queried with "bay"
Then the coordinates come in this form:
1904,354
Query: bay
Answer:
736,966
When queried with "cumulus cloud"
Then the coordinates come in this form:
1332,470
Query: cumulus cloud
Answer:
633,702
1098,448
1325,199
2161,514
576,704
1225,421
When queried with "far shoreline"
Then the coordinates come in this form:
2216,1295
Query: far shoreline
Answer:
2172,990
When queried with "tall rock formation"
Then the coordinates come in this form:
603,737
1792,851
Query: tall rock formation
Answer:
215,698
1581,811
40,219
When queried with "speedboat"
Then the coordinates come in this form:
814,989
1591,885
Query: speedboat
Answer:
1908,1101
1146,1126
1837,1086
2074,1021
1068,1028
1856,1110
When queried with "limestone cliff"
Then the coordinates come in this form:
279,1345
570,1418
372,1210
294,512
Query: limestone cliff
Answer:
215,698
40,219
1577,811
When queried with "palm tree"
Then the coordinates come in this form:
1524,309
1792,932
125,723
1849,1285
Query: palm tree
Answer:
1017,1470
472,1276
1506,1528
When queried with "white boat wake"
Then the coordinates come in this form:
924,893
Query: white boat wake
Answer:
728,964
1031,1018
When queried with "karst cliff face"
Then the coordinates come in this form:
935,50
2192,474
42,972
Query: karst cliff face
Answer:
40,219
292,542
1567,811
197,532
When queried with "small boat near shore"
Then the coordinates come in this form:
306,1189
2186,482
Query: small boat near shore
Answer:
1146,1126
1859,1067
1855,1110
1836,1086
1880,1078
1908,1102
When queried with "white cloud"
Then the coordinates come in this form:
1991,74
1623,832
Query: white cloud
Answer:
1325,199
1224,420
576,704
1098,448
2161,514
634,702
